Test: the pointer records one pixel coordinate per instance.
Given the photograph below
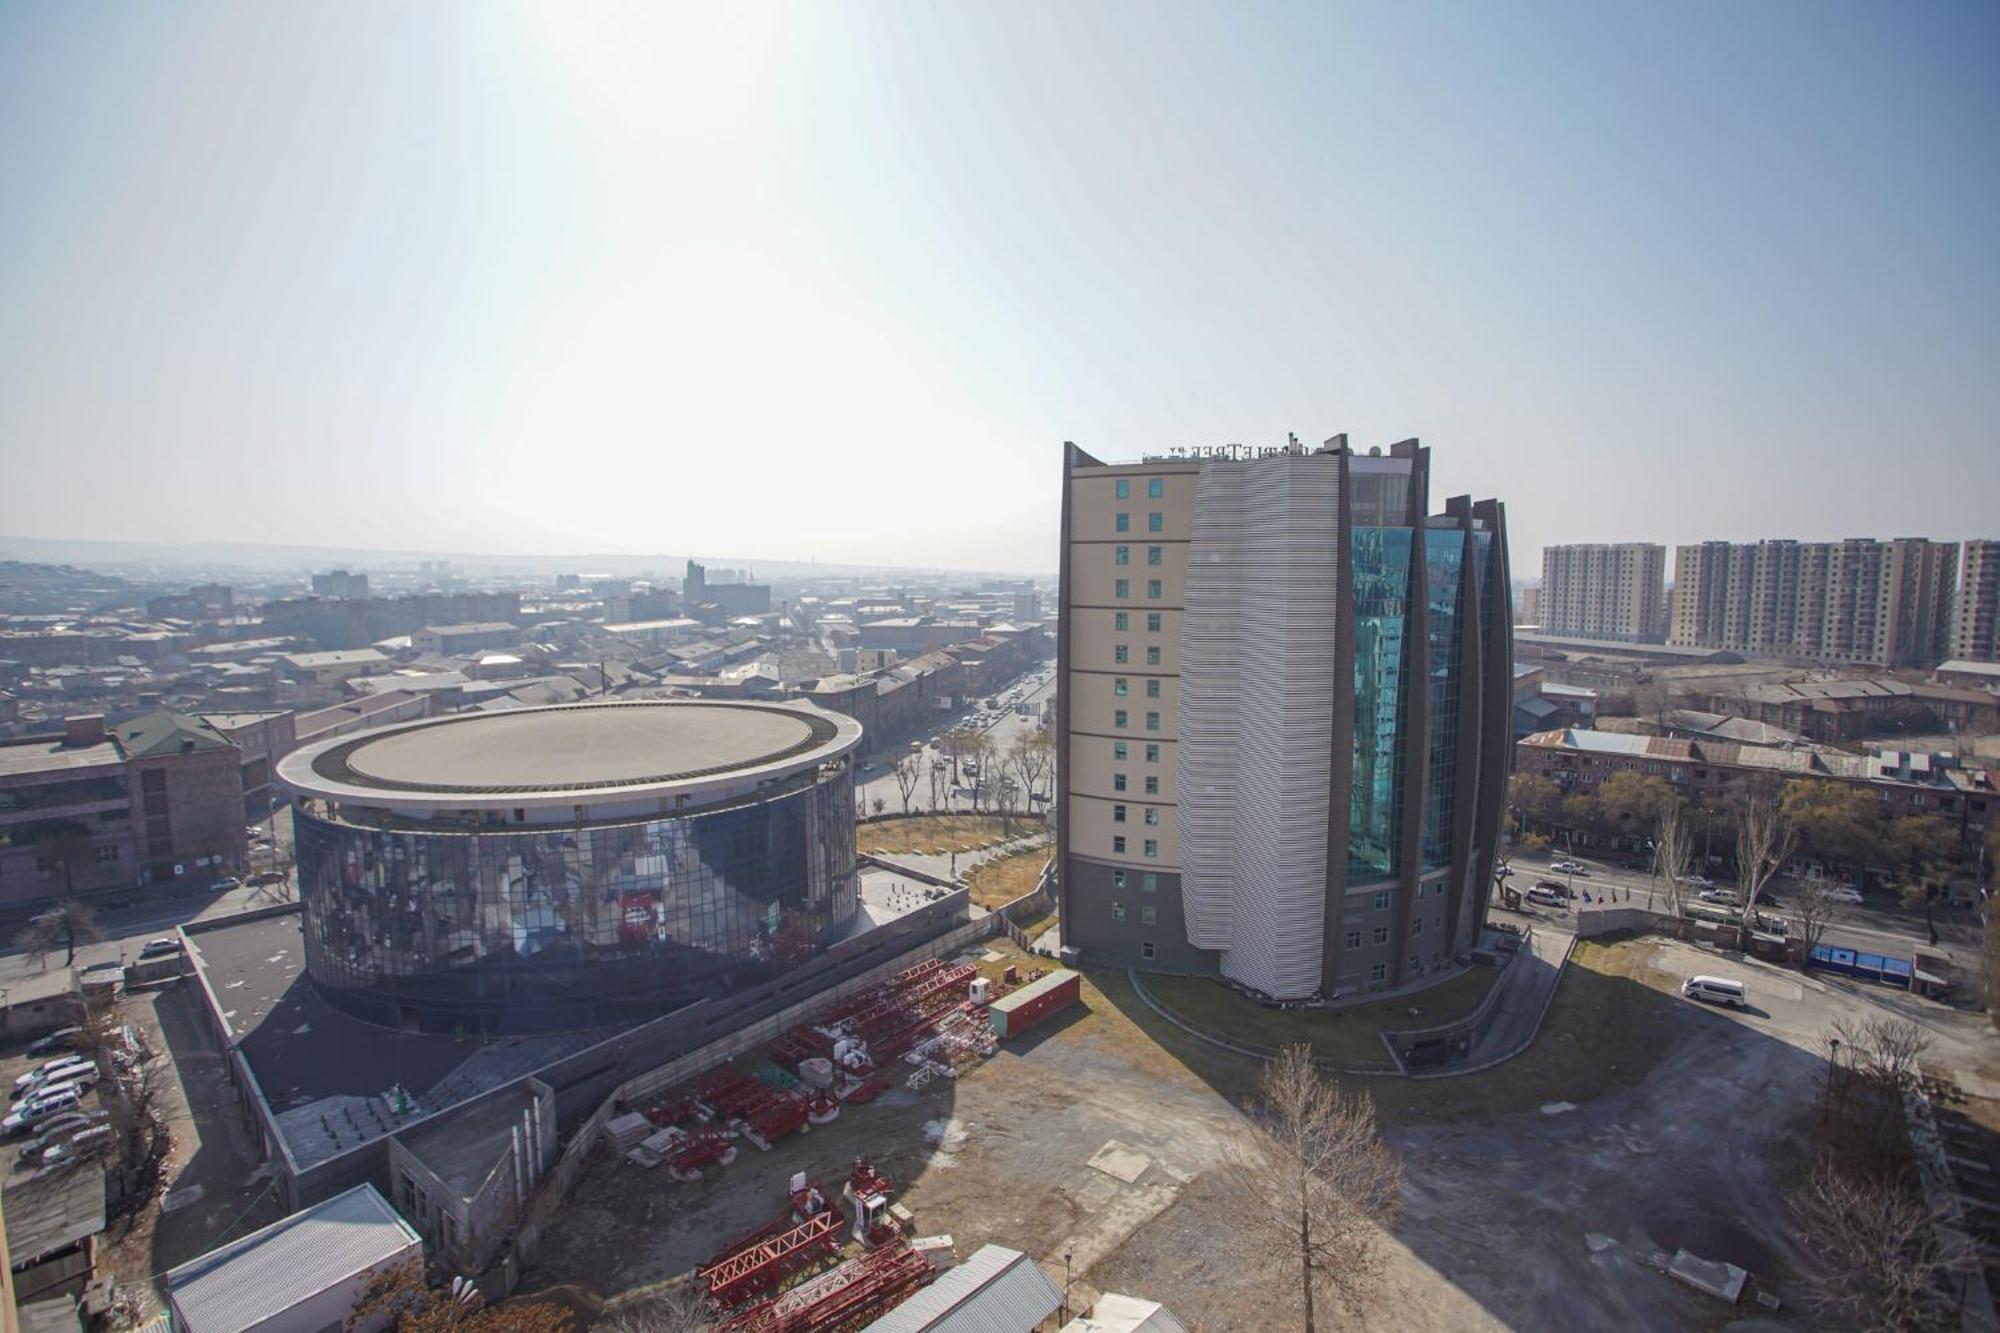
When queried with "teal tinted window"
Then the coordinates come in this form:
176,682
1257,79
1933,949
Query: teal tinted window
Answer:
1124,490
1444,568
1381,572
1124,523
1156,487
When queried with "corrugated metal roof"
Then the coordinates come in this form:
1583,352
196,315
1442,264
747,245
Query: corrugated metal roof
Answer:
51,1316
997,1290
272,1270
1125,1314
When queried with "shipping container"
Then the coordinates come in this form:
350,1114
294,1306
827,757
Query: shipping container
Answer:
1016,1012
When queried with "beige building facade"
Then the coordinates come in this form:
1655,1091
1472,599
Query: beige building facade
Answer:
1976,627
1604,590
1854,602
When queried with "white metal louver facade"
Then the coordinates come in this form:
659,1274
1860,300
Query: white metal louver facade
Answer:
1259,685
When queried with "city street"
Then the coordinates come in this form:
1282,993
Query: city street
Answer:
877,777
126,929
1873,925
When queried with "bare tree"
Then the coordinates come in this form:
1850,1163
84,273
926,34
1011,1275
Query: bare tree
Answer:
1673,847
878,805
1811,910
909,772
398,1297
1032,754
1888,1050
1314,1182
1765,836
980,750
71,923
958,743
677,1309
1882,1258
940,785
1004,791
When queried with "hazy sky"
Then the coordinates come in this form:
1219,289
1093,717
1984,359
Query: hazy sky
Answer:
835,281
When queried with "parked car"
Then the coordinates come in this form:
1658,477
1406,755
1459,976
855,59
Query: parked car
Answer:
86,1143
66,1122
59,1040
226,883
1844,893
1696,881
40,1107
1545,898
1722,896
1555,886
1569,868
160,947
55,1071
1716,990
82,1079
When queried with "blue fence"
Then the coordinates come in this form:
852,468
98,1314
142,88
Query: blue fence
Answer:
1889,971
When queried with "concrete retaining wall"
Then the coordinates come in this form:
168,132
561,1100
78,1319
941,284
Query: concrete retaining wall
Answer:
1593,921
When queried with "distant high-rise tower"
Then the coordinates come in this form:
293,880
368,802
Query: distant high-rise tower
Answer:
1855,602
1284,715
1976,628
1603,591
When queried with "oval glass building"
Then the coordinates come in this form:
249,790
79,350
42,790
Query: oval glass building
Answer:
544,869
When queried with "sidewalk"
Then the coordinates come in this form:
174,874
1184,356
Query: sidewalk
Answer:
1528,986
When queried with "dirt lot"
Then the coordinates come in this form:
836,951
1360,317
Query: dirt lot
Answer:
1000,881
940,834
1535,1192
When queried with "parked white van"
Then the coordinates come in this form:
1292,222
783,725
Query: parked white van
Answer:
1716,990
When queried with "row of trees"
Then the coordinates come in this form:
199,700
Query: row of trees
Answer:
1005,780
1838,824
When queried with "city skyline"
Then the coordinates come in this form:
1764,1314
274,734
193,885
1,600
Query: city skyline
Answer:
637,248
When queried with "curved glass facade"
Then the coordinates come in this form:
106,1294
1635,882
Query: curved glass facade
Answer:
1381,564
1444,567
540,927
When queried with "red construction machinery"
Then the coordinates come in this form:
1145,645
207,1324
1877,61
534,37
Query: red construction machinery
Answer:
842,1297
761,1265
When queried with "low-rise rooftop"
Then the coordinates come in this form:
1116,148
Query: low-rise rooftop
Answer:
247,1282
49,754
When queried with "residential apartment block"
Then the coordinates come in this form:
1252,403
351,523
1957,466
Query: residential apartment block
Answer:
1605,591
1976,632
156,800
1283,718
1859,601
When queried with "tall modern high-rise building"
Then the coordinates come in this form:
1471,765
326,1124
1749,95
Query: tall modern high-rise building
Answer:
1602,590
1284,715
1976,631
1859,601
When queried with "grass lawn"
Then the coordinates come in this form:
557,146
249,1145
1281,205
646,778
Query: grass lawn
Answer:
1345,1036
940,833
1605,1031
1000,881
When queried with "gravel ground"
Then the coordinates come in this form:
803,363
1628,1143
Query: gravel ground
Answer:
1515,1217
